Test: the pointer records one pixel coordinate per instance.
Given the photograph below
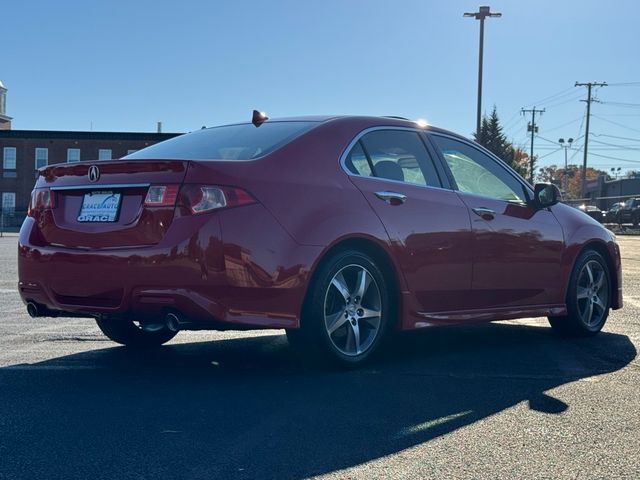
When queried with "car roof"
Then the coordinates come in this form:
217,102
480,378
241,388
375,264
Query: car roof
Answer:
372,121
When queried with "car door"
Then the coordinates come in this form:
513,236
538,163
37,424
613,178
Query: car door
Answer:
428,225
517,248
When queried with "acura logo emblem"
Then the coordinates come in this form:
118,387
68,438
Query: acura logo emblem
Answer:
94,173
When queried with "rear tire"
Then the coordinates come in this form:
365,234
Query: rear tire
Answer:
126,332
588,297
348,310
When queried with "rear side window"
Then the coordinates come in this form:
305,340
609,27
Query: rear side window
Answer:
396,155
357,161
230,142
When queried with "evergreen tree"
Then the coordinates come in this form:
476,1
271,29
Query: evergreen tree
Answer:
493,139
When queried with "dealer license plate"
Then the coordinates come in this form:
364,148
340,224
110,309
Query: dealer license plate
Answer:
100,207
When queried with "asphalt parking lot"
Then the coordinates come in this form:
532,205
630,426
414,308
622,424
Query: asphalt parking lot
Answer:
504,400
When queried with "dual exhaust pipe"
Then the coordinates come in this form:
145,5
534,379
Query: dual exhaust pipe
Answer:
171,320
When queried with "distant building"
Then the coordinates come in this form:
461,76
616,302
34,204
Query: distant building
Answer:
604,194
22,152
5,121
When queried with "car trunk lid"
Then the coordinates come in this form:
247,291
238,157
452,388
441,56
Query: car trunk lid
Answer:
102,204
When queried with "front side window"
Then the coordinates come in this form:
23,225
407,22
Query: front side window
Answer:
9,203
9,158
230,142
42,157
476,173
73,155
398,155
104,154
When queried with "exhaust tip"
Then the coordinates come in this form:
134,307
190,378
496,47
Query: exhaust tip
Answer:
32,310
172,322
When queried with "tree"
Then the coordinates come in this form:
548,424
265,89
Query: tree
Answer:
493,139
572,176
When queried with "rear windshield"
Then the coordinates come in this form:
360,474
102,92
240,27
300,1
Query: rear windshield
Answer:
230,142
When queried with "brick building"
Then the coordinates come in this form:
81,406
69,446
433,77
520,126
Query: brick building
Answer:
22,152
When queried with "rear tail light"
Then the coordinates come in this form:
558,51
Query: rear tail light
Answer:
41,199
205,198
161,196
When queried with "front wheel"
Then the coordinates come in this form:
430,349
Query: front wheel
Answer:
348,311
588,297
135,335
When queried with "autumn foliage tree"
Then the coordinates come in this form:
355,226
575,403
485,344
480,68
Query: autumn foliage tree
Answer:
572,176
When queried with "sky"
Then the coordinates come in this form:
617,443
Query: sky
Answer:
124,65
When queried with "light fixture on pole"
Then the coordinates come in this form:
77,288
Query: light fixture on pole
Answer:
566,172
481,14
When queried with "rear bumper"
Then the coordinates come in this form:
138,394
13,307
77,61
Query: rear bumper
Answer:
212,284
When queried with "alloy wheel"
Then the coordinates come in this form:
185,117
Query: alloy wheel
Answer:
352,310
593,293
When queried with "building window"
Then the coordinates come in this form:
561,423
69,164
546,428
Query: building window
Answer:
8,203
42,157
104,154
73,155
129,152
9,158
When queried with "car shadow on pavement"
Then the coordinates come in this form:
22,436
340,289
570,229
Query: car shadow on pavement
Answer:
250,408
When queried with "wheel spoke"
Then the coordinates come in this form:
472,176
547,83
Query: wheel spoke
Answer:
589,272
588,312
583,292
335,321
599,303
600,281
356,337
341,285
362,284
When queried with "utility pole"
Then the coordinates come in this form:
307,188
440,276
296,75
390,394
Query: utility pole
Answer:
533,128
481,14
589,99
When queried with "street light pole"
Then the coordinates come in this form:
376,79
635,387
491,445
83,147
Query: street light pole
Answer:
481,14
566,167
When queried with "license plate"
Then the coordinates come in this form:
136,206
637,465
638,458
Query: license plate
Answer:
99,207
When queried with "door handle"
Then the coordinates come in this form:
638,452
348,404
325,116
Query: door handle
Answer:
484,213
392,198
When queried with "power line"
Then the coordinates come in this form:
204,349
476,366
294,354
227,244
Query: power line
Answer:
550,153
546,140
616,158
622,104
616,123
563,125
615,136
625,84
550,97
572,99
618,147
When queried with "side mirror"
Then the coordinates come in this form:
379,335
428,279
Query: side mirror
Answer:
545,195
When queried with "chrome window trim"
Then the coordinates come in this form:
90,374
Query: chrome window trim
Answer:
96,186
357,138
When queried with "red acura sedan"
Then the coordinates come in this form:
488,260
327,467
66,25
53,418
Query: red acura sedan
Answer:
337,229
